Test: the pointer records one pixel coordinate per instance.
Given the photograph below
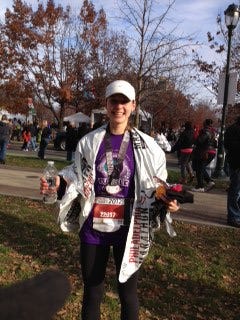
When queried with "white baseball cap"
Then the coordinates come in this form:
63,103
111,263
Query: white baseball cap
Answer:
122,87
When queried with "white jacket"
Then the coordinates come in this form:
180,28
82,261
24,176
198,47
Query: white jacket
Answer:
163,142
150,162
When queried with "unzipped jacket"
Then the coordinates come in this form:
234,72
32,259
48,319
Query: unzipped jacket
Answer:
150,164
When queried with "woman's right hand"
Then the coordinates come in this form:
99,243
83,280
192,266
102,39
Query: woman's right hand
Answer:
44,187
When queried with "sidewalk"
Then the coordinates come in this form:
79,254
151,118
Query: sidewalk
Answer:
20,182
208,208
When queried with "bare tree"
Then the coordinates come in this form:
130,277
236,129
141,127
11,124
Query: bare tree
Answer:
156,50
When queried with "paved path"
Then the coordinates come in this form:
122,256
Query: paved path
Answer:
19,182
208,208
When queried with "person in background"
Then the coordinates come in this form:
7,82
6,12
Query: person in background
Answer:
171,136
161,140
232,146
100,122
83,129
33,127
114,164
184,145
5,134
203,153
16,129
26,135
71,140
196,131
39,134
45,138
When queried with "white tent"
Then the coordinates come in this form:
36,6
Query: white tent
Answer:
77,118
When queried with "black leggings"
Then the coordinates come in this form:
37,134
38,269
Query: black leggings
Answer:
94,260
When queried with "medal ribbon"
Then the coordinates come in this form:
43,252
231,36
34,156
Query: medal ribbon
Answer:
114,171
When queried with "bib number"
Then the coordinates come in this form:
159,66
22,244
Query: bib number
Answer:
108,214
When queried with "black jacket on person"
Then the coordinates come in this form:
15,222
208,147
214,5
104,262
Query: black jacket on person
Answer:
46,133
185,140
71,138
206,139
232,144
33,129
5,131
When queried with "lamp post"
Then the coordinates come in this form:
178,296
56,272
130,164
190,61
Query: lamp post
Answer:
231,20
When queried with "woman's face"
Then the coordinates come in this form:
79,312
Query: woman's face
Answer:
119,109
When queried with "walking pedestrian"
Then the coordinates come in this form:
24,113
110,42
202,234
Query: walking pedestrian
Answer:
5,134
45,138
184,145
71,140
26,135
33,127
114,174
83,129
232,146
203,153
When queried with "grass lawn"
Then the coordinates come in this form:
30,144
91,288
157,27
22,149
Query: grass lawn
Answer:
32,162
192,276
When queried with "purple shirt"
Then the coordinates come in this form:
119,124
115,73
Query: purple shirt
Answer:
126,182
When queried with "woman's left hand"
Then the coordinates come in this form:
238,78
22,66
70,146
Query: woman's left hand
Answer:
173,206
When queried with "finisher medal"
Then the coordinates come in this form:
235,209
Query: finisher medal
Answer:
113,189
114,170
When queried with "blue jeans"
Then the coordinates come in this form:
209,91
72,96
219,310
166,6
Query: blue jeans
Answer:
3,149
186,166
200,166
233,199
33,142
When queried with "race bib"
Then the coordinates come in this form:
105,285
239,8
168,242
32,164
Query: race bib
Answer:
108,214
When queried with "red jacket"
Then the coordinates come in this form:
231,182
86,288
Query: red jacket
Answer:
26,136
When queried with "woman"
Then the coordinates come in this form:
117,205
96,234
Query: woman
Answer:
115,174
184,144
45,139
203,153
71,140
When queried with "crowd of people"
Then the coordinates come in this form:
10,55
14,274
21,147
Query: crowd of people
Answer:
35,136
195,151
195,148
109,189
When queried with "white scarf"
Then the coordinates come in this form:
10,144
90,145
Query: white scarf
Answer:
150,162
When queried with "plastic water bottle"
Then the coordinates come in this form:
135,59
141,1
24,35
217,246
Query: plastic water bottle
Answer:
50,173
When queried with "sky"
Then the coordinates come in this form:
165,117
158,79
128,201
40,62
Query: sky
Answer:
198,16
195,17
